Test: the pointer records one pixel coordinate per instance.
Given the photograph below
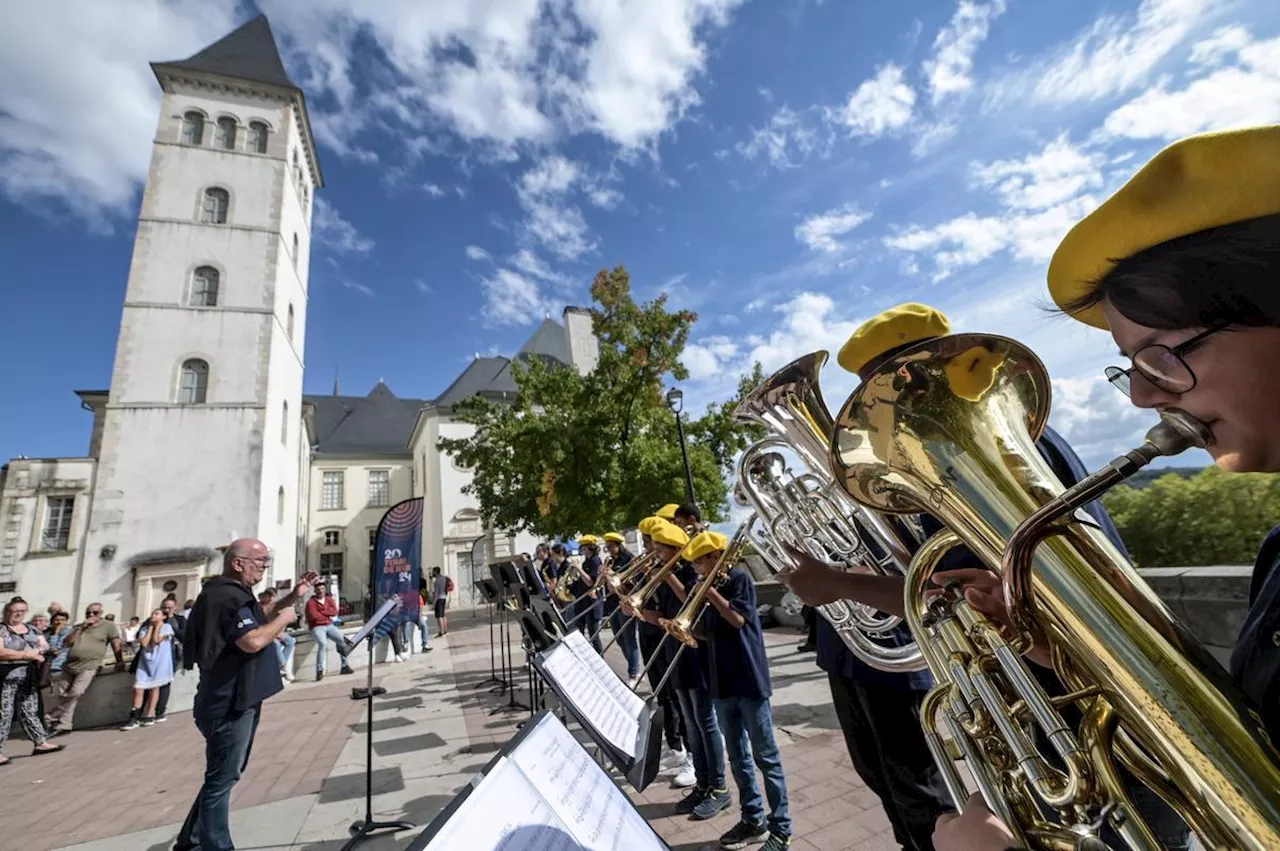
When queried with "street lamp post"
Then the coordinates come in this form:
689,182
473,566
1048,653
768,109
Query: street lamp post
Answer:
675,401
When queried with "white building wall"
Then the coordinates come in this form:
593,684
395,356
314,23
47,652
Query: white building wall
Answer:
38,574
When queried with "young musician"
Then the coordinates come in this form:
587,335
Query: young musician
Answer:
677,759
688,518
1181,265
626,632
668,512
710,795
888,752
740,689
585,580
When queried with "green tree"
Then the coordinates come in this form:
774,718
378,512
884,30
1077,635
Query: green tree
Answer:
1210,518
578,453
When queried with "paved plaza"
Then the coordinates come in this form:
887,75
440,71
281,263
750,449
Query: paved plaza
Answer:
128,791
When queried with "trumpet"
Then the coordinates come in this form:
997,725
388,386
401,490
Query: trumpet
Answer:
949,427
680,627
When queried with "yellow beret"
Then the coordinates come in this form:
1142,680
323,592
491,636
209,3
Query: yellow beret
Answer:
897,326
614,537
589,539
668,511
972,372
703,543
669,534
1194,184
647,525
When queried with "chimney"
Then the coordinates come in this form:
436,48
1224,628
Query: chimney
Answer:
584,348
335,381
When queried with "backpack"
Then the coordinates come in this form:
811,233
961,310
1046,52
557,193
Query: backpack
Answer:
448,585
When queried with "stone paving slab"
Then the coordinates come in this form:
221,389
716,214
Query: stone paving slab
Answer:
433,731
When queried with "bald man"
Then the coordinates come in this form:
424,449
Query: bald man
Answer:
231,637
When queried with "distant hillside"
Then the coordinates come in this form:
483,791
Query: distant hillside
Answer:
1143,478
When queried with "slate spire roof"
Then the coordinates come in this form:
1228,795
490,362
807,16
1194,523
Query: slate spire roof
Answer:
248,53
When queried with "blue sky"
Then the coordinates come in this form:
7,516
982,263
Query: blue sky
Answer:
786,169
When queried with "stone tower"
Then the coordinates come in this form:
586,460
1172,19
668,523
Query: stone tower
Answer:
201,438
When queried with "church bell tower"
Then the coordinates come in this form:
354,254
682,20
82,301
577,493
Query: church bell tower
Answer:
202,437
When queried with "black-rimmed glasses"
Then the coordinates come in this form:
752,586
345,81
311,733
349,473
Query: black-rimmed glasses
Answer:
1164,366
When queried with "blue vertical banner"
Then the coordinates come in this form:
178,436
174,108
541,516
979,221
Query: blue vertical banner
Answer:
397,561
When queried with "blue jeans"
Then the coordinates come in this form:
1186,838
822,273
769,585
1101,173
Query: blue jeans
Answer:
320,633
748,731
227,743
588,624
627,641
423,629
284,649
703,735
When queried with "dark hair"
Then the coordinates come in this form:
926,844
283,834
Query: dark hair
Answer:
560,550
689,510
188,604
1219,276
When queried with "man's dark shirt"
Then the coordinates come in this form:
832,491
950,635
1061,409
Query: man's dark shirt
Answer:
230,679
1255,662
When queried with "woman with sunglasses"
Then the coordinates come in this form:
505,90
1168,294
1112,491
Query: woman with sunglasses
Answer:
1182,267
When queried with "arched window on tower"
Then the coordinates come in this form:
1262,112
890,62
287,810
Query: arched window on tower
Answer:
295,251
225,138
280,505
193,389
289,323
192,128
257,142
204,287
214,209
284,423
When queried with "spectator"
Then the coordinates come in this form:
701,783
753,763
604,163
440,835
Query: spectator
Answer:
155,669
285,643
40,623
54,608
22,649
88,642
58,632
320,610
179,625
186,608
131,634
440,587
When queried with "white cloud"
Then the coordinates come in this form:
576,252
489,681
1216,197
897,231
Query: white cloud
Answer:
529,263
819,231
423,287
788,138
508,73
475,252
1116,55
433,190
1098,421
61,139
360,288
950,68
551,219
513,299
335,233
878,106
1055,174
1243,90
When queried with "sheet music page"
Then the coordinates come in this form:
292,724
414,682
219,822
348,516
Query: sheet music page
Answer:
505,812
594,808
592,699
625,697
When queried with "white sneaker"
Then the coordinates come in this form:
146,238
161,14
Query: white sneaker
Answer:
673,760
686,776
631,682
287,674
397,658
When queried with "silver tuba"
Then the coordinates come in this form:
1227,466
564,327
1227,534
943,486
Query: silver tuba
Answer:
809,512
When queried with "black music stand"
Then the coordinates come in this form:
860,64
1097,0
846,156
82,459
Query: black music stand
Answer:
489,590
512,585
361,830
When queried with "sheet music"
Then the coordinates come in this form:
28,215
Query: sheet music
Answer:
583,809
591,697
597,812
625,697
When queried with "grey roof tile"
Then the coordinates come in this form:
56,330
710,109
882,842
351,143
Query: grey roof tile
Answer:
248,53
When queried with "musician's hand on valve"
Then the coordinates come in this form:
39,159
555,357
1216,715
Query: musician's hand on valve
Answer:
984,592
975,829
813,581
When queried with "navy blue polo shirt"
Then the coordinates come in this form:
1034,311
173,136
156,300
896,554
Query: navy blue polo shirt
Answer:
231,680
590,567
1255,662
737,665
619,564
690,668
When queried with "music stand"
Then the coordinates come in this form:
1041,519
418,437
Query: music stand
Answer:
489,591
360,830
512,584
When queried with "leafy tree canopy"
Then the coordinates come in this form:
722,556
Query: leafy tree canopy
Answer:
573,454
1207,519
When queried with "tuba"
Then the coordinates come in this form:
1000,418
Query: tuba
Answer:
949,427
808,512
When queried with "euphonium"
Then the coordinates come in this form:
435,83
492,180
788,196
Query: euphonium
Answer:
572,573
680,627
949,427
808,512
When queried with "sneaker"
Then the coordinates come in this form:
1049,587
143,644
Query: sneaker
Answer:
397,658
776,842
674,760
744,833
346,669
160,718
425,649
716,801
148,722
631,682
686,804
132,725
686,777
319,676
288,676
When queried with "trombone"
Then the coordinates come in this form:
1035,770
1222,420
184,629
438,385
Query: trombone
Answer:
680,627
613,582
